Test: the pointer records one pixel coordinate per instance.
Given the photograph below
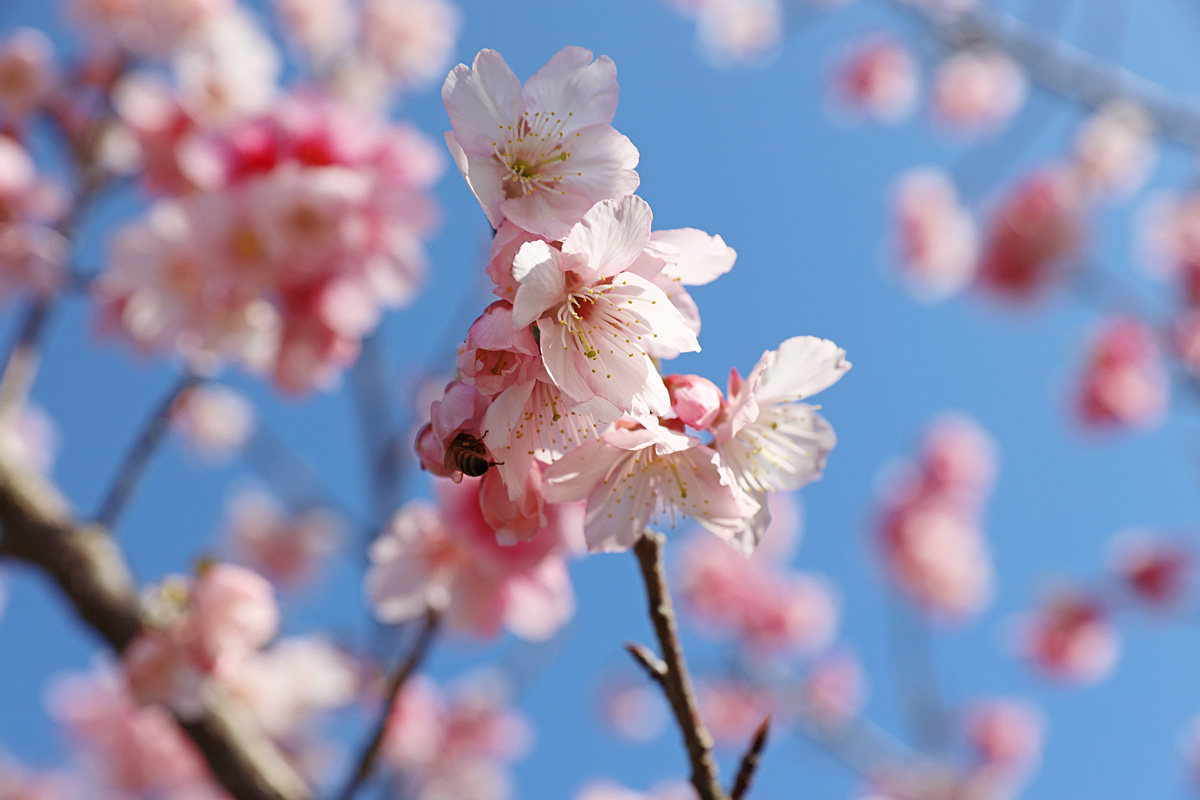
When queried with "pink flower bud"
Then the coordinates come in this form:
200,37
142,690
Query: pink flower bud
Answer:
695,400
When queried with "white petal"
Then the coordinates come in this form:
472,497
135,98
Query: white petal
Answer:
541,284
801,367
701,258
611,235
581,91
480,99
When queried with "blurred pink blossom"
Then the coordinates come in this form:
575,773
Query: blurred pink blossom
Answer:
876,76
27,72
145,27
936,238
834,689
1154,570
977,90
215,420
322,28
288,548
1005,734
28,437
1114,149
412,40
31,251
732,709
1124,382
458,743
1070,637
740,31
634,709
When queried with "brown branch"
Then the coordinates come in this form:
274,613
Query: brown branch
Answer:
86,564
370,753
129,474
1062,68
654,666
745,774
676,682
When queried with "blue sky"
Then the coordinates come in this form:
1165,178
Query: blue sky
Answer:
748,154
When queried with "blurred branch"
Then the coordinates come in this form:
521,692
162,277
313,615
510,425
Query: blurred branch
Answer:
23,358
88,567
366,761
290,476
129,474
918,682
676,683
372,400
1060,67
745,774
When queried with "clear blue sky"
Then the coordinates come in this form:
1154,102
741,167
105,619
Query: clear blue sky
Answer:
750,155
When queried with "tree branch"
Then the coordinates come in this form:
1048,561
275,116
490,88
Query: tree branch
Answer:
86,564
676,682
745,774
139,455
1062,68
370,753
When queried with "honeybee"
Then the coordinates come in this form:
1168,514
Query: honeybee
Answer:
466,455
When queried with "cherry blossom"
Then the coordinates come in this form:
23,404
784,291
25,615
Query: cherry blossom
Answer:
834,689
145,27
27,72
635,474
412,40
935,237
740,31
633,709
593,314
28,437
457,743
1071,637
1124,383
322,28
448,558
696,401
215,420
977,90
226,69
288,548
1153,570
1032,235
732,709
1005,733
876,76
31,251
1113,149
543,154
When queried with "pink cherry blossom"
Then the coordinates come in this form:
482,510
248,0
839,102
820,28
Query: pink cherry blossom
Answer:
412,40
27,72
876,76
448,558
1114,150
226,69
28,437
1170,230
593,314
1032,235
634,709
1071,637
145,27
834,690
133,750
1124,383
935,237
769,440
1005,734
497,354
288,548
740,31
31,251
458,743
1153,570
696,401
977,90
543,154
732,709
323,28
635,474
17,783
215,420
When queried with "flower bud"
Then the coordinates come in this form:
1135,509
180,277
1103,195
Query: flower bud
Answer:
695,400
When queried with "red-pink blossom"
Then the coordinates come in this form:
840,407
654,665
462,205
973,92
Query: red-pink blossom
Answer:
1005,734
935,237
1071,637
977,90
31,251
1124,382
1033,235
876,76
1154,570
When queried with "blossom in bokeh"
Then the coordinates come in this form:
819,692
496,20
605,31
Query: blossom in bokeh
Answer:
412,40
145,27
732,709
447,557
977,90
215,420
740,31
27,72
1124,382
1070,636
1005,734
31,251
935,237
286,547
457,743
543,154
876,76
1153,570
322,28
1114,149
1032,235
29,438
930,532
633,709
834,689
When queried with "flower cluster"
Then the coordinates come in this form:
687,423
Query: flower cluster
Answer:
559,397
301,226
930,529
32,251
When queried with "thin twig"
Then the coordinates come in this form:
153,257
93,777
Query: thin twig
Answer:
745,775
129,474
24,356
676,683
653,665
366,761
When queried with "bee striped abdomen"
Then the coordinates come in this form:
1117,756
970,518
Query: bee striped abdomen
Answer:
466,454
